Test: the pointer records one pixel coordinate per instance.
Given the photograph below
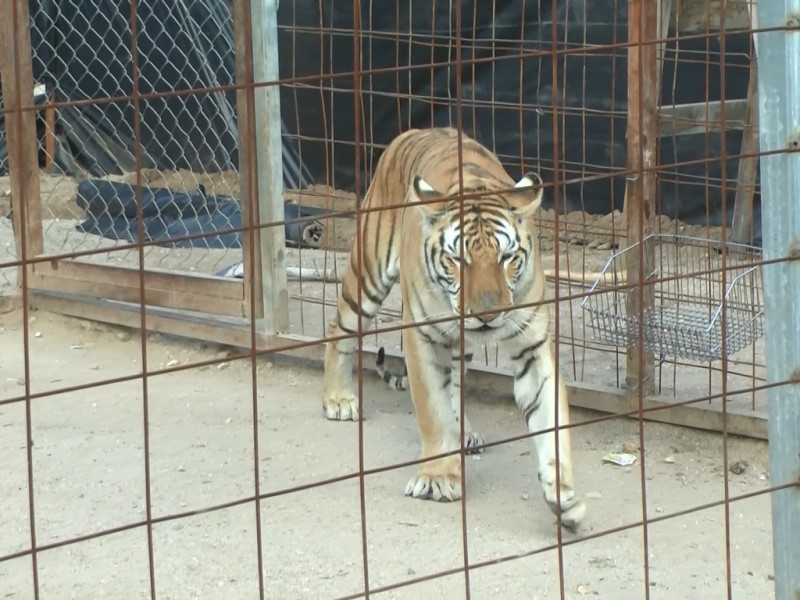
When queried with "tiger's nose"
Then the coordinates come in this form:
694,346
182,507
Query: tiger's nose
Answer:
487,317
487,307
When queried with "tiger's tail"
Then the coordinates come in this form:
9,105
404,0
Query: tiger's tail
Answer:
395,381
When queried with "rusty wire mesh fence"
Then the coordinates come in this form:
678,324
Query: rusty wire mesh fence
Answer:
142,465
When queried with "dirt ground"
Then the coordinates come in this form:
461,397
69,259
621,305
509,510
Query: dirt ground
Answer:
88,453
88,458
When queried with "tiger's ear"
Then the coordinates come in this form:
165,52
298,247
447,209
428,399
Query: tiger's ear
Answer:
527,195
422,191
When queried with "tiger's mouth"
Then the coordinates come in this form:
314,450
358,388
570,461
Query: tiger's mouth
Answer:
482,325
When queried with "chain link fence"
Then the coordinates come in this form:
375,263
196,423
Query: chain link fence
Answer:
181,136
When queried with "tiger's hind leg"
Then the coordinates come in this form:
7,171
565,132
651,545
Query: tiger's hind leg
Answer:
535,390
473,441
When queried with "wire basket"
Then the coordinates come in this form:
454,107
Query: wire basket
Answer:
686,318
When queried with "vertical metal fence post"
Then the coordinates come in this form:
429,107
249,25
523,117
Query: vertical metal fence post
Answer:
269,164
779,116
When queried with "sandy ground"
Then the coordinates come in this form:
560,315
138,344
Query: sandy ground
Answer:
89,476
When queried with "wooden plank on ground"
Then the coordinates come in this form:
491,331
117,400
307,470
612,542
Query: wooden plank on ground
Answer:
215,295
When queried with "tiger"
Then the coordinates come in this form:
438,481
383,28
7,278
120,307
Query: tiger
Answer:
458,233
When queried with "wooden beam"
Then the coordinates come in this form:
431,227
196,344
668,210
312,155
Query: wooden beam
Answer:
260,161
742,226
665,12
245,117
16,72
269,165
705,15
215,295
699,117
50,131
640,201
482,380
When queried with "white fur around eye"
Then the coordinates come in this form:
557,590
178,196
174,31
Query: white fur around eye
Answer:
504,242
451,237
424,186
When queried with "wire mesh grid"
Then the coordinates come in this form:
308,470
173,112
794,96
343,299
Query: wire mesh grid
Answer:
248,492
83,67
693,283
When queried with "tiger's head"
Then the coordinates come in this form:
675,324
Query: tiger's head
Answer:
482,255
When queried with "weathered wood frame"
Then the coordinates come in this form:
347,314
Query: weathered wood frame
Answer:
76,275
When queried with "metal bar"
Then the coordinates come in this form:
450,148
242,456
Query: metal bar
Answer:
269,164
779,124
642,134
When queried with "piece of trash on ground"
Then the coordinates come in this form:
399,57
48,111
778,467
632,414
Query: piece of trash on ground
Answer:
623,459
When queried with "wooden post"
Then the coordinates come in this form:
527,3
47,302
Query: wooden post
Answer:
247,168
50,131
742,230
269,164
642,137
260,160
16,71
664,20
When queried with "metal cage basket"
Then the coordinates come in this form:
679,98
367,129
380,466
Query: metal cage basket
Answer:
688,290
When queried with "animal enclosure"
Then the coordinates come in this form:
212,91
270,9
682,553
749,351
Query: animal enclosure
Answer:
180,189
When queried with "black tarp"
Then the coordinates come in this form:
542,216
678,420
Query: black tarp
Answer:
180,219
591,97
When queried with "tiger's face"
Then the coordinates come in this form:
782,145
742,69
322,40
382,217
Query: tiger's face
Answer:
482,255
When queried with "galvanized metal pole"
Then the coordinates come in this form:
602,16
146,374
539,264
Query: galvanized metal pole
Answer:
779,117
269,164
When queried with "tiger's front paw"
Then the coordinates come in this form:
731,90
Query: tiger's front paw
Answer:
341,407
438,480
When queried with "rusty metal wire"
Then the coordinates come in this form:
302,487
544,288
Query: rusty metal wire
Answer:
577,245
